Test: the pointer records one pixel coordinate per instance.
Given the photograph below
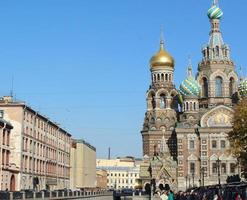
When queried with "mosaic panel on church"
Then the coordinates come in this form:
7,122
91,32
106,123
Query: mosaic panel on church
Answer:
218,117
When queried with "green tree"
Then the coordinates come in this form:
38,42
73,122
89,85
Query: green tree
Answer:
238,136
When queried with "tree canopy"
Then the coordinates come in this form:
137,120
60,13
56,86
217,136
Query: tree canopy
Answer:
238,136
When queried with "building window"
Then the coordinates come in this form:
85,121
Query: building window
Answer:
1,114
192,144
162,101
205,87
218,86
231,86
223,168
223,144
214,168
192,168
214,144
232,168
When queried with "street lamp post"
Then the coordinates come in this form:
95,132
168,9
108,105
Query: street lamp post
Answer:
186,178
218,166
193,179
202,172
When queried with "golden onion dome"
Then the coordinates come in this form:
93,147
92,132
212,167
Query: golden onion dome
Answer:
162,58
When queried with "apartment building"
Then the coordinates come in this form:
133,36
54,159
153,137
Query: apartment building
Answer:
7,171
83,165
40,152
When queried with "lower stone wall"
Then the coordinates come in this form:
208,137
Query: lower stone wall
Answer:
96,198
144,198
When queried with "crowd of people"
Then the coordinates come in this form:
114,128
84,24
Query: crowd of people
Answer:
232,192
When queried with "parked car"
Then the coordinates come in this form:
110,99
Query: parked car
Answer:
127,192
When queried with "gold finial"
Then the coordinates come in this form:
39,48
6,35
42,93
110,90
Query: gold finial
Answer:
161,38
189,69
215,2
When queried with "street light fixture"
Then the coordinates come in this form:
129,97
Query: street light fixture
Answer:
202,173
186,178
218,166
193,178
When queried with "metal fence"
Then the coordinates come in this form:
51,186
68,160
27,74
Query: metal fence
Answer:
66,194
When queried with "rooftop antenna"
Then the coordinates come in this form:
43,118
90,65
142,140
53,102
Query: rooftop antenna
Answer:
109,153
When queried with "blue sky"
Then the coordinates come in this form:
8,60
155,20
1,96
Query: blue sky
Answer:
85,63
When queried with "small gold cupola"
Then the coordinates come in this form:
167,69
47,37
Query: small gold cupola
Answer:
162,59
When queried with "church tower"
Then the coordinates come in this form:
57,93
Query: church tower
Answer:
162,104
190,91
216,72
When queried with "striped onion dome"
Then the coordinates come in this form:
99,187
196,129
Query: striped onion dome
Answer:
242,88
189,86
215,12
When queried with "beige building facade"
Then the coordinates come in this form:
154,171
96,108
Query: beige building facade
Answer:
121,172
8,171
101,178
41,148
83,165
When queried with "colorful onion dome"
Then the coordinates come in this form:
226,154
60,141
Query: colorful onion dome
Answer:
215,12
189,86
161,59
242,88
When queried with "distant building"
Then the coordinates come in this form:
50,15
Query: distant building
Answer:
7,171
101,178
40,149
121,172
83,165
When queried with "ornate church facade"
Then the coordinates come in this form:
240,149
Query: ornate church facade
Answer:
193,121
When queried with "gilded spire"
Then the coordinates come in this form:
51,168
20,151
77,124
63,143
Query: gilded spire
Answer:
162,58
161,38
189,69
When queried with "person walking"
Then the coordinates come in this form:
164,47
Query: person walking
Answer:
163,195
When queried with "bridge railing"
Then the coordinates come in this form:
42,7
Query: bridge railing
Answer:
53,195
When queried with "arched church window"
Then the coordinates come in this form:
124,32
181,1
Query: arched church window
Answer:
162,101
190,105
158,77
162,77
231,86
218,86
204,87
154,77
166,77
187,106
194,105
153,102
217,51
207,52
